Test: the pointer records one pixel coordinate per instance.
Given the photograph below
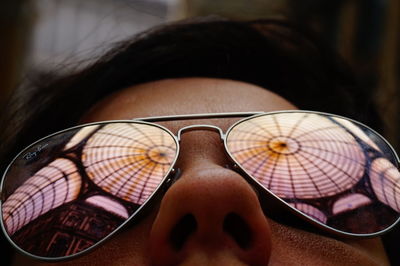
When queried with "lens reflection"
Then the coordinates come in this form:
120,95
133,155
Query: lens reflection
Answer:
128,160
97,178
326,167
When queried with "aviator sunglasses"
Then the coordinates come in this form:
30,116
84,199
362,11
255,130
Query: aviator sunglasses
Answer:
70,191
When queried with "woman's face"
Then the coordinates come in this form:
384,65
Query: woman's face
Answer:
209,191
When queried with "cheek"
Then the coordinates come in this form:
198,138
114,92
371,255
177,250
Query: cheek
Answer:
291,246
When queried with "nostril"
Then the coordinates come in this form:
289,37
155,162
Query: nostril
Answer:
182,230
238,229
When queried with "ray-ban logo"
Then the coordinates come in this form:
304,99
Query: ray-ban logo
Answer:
33,154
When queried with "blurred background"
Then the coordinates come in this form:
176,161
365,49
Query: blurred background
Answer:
42,35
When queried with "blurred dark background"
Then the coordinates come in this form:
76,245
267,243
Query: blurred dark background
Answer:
38,36
42,35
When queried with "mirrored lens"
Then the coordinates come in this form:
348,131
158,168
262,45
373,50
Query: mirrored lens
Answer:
69,191
337,172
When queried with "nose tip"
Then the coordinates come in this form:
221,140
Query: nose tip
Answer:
214,212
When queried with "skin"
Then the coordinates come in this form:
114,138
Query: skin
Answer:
209,190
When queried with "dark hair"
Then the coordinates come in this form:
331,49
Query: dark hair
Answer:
270,53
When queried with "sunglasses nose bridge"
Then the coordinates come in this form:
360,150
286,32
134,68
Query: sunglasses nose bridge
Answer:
200,127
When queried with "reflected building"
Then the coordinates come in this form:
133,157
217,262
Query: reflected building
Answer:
67,229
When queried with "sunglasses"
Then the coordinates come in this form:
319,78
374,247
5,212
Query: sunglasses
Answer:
70,191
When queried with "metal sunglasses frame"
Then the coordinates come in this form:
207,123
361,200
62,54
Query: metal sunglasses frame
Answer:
172,172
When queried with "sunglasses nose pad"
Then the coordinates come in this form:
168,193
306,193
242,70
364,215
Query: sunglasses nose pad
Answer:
174,176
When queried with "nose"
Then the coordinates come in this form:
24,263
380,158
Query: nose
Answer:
210,216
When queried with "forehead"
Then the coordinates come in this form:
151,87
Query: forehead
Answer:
185,96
